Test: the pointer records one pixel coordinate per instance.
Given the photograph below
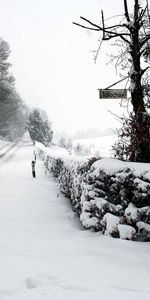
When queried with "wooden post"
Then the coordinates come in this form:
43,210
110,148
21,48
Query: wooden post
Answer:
33,168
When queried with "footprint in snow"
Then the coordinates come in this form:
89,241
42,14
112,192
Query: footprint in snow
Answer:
44,280
4,292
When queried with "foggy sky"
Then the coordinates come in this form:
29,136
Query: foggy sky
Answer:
53,60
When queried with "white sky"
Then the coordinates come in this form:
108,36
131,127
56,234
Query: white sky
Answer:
53,63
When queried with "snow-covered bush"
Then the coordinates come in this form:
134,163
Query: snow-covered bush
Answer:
126,232
57,166
108,195
117,193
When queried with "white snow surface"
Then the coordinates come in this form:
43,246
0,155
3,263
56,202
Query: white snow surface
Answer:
111,223
44,252
59,152
112,165
99,145
126,231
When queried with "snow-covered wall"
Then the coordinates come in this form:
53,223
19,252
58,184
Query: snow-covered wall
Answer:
108,195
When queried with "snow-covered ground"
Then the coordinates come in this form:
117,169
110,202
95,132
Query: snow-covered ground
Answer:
45,254
99,145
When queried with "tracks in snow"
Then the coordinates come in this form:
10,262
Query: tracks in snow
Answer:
7,151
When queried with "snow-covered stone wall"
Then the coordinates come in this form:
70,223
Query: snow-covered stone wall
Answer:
108,195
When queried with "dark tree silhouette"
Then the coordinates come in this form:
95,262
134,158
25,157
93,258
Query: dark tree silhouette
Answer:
39,128
134,33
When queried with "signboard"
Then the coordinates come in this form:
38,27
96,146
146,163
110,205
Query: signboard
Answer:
112,93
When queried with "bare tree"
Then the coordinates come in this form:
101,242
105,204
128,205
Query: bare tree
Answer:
133,33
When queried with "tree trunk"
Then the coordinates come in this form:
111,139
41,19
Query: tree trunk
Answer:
137,97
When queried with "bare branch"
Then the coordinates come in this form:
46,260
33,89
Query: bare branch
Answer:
103,24
142,13
120,119
91,23
136,10
113,35
126,11
148,11
85,27
145,40
110,34
124,39
97,52
118,26
107,29
144,70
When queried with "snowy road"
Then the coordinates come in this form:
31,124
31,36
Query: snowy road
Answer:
45,255
7,151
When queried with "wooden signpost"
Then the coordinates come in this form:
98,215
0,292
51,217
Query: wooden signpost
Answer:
112,93
108,93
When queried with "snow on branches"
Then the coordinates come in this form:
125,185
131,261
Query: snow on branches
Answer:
108,195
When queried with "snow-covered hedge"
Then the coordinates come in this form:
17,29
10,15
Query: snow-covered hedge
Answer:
117,199
109,195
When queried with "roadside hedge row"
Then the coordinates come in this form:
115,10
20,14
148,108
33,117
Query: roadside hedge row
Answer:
116,203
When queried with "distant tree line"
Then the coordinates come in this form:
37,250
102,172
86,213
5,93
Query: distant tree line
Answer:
13,111
15,116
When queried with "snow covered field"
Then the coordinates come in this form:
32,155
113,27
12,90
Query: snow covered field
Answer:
44,252
99,145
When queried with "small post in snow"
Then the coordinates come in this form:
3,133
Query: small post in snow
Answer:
33,168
